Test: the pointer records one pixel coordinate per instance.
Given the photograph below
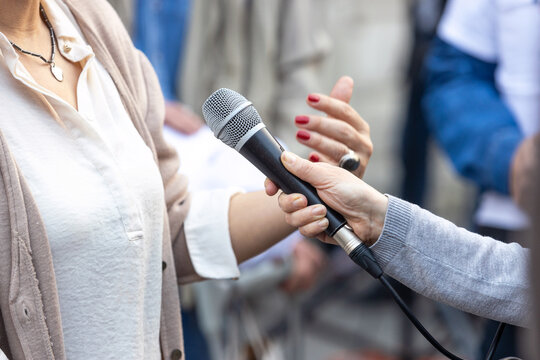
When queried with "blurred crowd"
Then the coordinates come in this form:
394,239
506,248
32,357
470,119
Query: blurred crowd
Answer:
451,91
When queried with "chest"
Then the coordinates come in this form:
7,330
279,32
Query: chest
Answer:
43,75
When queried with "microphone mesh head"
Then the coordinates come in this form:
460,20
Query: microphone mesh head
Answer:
216,110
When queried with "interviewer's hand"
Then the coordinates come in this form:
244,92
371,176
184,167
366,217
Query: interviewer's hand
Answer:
363,207
342,129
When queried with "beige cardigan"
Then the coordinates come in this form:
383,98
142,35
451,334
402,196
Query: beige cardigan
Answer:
30,323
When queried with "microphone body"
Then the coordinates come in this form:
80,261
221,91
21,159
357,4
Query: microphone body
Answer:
264,151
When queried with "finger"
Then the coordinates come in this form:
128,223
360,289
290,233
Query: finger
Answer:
335,129
305,216
326,239
304,169
337,109
343,89
270,188
318,157
292,202
315,228
322,144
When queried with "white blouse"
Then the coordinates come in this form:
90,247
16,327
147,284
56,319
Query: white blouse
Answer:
101,198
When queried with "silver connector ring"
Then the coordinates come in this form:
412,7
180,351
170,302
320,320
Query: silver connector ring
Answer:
349,161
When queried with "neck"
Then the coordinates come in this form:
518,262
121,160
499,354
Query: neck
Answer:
20,19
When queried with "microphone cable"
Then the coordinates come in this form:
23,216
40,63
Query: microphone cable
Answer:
495,341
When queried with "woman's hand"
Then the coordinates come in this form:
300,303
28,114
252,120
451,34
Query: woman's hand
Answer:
342,129
363,207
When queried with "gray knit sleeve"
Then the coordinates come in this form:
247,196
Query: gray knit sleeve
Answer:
449,264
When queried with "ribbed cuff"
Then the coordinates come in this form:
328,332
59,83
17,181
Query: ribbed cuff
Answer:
396,227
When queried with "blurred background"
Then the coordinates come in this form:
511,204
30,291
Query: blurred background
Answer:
306,301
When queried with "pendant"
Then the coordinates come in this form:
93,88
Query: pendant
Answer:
57,72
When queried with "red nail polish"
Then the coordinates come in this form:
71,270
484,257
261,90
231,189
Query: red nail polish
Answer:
313,98
314,158
301,119
304,135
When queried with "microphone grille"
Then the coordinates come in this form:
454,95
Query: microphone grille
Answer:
229,115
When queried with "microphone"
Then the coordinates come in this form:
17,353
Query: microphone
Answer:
235,121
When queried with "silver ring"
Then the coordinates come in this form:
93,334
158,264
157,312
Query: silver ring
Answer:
349,161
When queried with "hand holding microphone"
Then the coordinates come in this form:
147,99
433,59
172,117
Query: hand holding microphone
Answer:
363,207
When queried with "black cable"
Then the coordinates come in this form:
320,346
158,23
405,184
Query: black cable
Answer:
495,341
415,321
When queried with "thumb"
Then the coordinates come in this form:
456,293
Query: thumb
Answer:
343,89
300,167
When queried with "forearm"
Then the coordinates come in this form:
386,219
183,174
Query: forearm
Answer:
449,264
255,224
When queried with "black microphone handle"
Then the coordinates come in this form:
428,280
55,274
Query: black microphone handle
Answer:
264,151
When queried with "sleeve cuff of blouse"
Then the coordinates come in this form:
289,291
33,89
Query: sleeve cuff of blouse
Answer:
396,227
207,234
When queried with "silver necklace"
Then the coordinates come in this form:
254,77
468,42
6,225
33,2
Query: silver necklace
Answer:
55,70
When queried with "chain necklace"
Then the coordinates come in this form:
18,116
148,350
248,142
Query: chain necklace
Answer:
55,70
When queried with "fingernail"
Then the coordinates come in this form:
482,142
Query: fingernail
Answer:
314,158
318,210
323,223
288,157
301,119
304,135
314,98
298,201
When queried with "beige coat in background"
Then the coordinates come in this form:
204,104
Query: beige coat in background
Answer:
126,11
269,51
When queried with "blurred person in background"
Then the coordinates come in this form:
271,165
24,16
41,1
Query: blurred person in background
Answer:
482,102
269,51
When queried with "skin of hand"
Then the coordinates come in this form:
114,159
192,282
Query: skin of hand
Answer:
181,118
363,207
308,262
342,128
522,169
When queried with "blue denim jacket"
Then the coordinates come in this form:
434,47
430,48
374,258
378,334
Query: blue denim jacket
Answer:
159,31
468,117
